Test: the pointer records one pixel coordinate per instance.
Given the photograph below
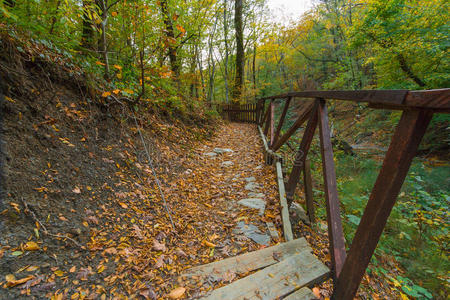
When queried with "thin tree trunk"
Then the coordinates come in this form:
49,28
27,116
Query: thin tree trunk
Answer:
239,76
211,65
225,33
170,41
200,69
104,41
54,17
254,69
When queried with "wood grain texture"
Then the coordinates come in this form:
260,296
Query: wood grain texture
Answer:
302,294
307,179
287,228
335,232
252,260
276,280
301,154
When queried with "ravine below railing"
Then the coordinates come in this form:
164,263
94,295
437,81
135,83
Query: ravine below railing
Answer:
418,108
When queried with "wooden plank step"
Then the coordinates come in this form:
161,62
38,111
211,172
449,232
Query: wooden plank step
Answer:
250,261
302,294
277,280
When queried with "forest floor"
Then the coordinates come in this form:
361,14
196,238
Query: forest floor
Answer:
122,243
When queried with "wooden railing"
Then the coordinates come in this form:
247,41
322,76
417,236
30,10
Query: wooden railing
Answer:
418,108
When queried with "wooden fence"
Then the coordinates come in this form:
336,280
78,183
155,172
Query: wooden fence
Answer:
417,109
239,112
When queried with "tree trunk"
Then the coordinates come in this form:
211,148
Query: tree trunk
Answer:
405,68
225,33
239,76
254,69
170,38
104,48
200,69
211,65
52,26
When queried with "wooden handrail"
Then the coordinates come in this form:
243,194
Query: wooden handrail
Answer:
418,108
389,99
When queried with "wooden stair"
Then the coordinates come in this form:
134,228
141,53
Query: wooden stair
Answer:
283,271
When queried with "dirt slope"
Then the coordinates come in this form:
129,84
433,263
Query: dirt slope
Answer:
66,159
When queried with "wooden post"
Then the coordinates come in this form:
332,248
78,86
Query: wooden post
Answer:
403,147
280,123
266,114
300,156
300,120
269,115
308,191
335,232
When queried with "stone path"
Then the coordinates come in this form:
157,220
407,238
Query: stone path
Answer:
255,199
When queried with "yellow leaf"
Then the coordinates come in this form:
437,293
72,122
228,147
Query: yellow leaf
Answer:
75,296
128,91
119,76
11,280
209,244
123,205
116,91
99,63
73,269
106,94
10,99
177,293
117,67
31,246
100,269
32,268
114,14
59,273
404,297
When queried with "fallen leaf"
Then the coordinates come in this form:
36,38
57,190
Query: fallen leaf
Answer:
157,246
100,269
73,269
32,268
209,244
123,205
316,292
31,246
111,251
11,280
76,190
229,276
177,293
159,262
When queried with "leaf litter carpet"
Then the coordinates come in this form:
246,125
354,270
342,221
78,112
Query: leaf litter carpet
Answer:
130,249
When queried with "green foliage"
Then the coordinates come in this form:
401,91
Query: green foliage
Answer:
417,230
